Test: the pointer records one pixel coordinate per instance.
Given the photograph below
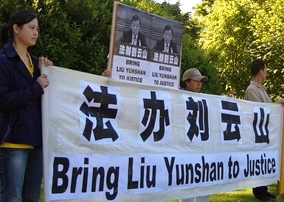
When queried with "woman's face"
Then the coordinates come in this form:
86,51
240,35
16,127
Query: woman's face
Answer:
27,34
193,85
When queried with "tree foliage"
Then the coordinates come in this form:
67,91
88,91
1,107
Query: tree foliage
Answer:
235,32
203,8
73,33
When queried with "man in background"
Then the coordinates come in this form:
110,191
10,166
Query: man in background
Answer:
256,92
134,36
166,44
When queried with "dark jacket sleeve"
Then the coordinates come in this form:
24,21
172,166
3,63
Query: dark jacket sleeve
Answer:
15,89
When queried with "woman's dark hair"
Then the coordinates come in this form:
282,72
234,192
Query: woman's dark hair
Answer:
19,18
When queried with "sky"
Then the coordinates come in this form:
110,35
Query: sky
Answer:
186,5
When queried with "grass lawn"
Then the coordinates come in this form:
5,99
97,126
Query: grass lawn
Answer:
244,195
237,196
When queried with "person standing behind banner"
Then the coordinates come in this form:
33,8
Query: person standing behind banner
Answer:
21,88
256,92
166,44
192,81
134,36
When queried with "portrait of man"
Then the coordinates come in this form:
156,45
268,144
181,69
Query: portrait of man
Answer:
166,44
134,36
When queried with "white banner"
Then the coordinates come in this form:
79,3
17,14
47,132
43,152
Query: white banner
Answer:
107,140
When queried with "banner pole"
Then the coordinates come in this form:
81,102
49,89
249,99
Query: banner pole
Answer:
280,184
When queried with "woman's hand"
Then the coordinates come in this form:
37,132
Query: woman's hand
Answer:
107,73
43,81
281,101
43,61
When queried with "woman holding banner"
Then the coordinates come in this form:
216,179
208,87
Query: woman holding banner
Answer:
21,88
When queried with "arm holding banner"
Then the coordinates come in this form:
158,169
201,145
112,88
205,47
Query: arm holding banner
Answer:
281,101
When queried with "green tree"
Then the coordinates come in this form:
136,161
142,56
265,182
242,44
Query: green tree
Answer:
193,57
74,33
269,42
236,31
204,8
226,38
